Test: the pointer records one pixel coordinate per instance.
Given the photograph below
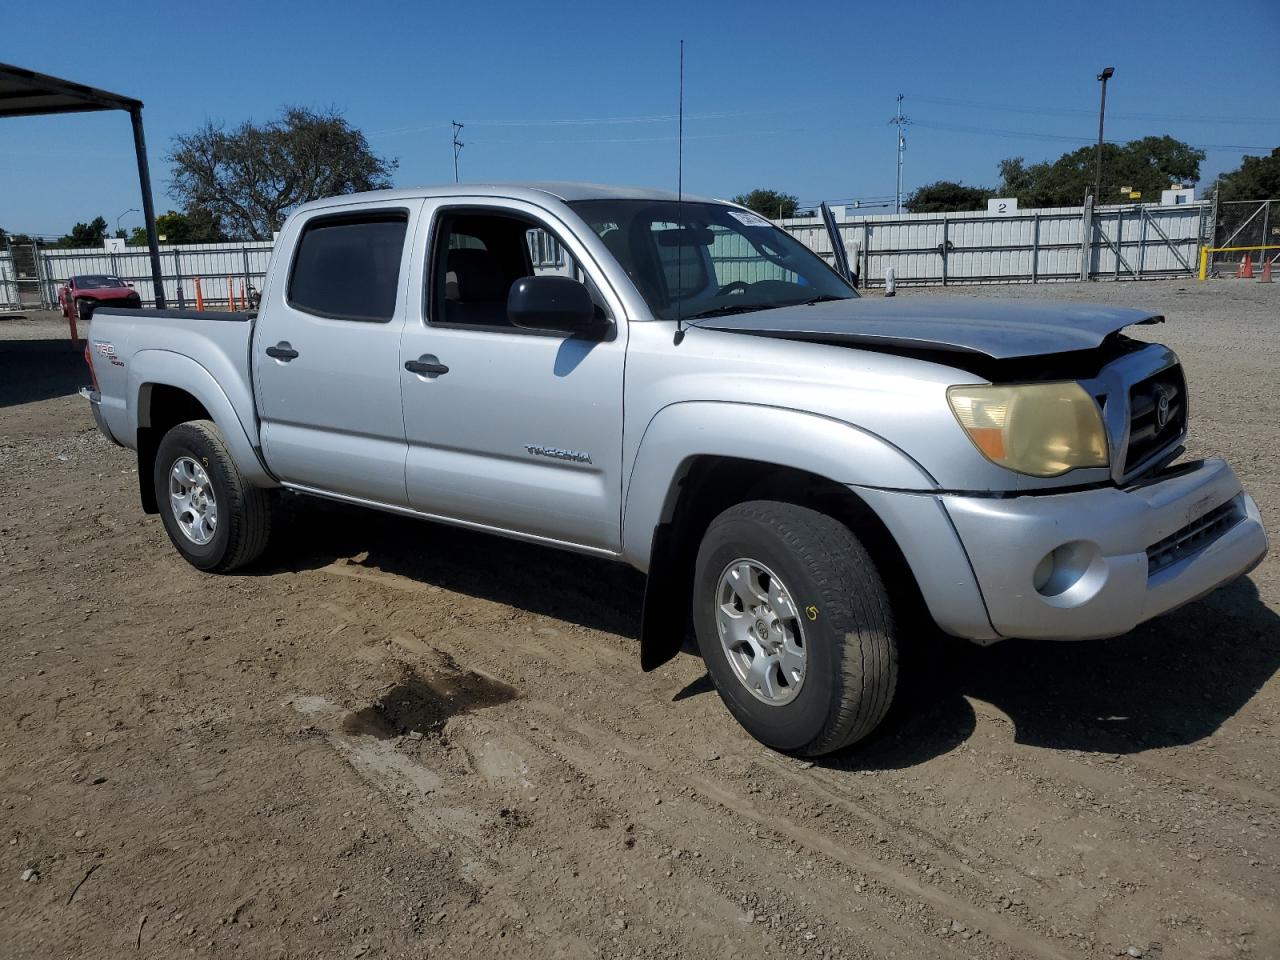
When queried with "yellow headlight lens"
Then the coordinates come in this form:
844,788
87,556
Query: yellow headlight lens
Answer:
1040,429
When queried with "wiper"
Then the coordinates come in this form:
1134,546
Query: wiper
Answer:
728,309
821,298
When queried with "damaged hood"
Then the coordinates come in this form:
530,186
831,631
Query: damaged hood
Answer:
1000,329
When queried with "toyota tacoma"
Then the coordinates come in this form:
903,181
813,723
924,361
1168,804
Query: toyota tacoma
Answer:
677,384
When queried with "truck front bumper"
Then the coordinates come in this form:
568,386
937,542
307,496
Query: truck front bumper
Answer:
1096,563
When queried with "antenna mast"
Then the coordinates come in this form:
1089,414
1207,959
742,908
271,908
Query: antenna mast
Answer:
680,202
900,122
457,148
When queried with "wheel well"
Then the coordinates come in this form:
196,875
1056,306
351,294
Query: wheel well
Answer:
160,408
706,487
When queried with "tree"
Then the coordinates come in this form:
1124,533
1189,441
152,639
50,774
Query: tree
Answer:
196,225
251,177
85,234
1257,179
947,196
1148,165
769,203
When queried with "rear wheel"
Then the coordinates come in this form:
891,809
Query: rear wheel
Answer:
795,626
84,308
214,517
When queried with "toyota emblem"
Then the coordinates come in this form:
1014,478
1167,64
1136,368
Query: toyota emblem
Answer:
1162,407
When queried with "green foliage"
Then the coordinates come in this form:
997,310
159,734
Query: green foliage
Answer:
85,234
1148,165
947,196
1257,179
196,225
251,177
11,240
769,203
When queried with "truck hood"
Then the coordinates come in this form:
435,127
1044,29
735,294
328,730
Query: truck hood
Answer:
1000,329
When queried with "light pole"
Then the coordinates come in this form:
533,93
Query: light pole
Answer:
123,215
1104,76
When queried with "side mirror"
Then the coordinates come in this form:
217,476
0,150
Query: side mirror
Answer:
558,304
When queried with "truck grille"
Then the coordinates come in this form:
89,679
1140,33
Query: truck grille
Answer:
1157,415
1194,536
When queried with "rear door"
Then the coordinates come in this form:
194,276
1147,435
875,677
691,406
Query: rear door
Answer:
523,430
327,353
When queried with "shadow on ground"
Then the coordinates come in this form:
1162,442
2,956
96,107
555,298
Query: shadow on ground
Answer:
1170,682
590,592
32,370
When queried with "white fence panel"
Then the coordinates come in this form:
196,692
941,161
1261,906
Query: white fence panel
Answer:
1028,246
9,299
221,268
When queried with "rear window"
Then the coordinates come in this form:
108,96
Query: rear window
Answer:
348,268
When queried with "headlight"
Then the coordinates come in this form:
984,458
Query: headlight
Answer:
1040,429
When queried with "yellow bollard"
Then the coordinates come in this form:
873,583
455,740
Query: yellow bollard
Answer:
1204,263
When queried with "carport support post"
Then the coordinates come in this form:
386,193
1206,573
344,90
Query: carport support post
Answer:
148,207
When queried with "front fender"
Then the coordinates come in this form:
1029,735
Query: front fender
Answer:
164,367
820,445
901,493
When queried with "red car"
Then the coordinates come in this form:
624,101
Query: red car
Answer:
80,295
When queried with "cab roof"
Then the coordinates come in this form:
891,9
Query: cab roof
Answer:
528,190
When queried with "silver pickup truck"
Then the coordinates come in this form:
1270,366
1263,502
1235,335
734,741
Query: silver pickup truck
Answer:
679,385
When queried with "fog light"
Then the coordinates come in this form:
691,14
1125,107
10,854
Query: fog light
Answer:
1061,569
1042,573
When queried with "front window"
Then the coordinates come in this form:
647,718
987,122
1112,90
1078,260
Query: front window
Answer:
694,259
97,281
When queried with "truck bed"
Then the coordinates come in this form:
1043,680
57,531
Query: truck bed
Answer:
126,343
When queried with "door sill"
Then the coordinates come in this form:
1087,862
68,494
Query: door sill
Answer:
455,522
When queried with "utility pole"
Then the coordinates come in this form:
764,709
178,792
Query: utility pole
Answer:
1104,76
457,148
899,121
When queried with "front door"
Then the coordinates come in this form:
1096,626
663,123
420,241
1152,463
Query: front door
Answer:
506,428
327,355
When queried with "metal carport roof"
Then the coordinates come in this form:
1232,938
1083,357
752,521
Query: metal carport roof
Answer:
25,93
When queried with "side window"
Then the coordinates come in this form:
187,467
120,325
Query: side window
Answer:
476,258
348,267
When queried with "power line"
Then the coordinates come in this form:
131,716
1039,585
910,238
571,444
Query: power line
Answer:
1074,112
748,135
1061,138
591,121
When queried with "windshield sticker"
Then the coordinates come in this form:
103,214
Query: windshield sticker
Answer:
749,219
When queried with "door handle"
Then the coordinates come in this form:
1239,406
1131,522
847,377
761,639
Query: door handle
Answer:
282,351
427,365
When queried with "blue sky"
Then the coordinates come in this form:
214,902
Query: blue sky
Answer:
794,96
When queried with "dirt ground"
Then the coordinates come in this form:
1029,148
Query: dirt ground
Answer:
394,739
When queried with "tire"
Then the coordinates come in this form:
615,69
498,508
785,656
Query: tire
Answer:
242,517
832,605
84,309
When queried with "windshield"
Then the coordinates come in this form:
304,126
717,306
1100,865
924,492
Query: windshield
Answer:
97,281
695,259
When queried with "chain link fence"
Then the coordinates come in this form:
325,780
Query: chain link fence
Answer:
1244,223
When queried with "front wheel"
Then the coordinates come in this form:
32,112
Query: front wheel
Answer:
215,518
795,626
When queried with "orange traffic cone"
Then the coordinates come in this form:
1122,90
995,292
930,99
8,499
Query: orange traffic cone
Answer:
1266,272
1246,268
